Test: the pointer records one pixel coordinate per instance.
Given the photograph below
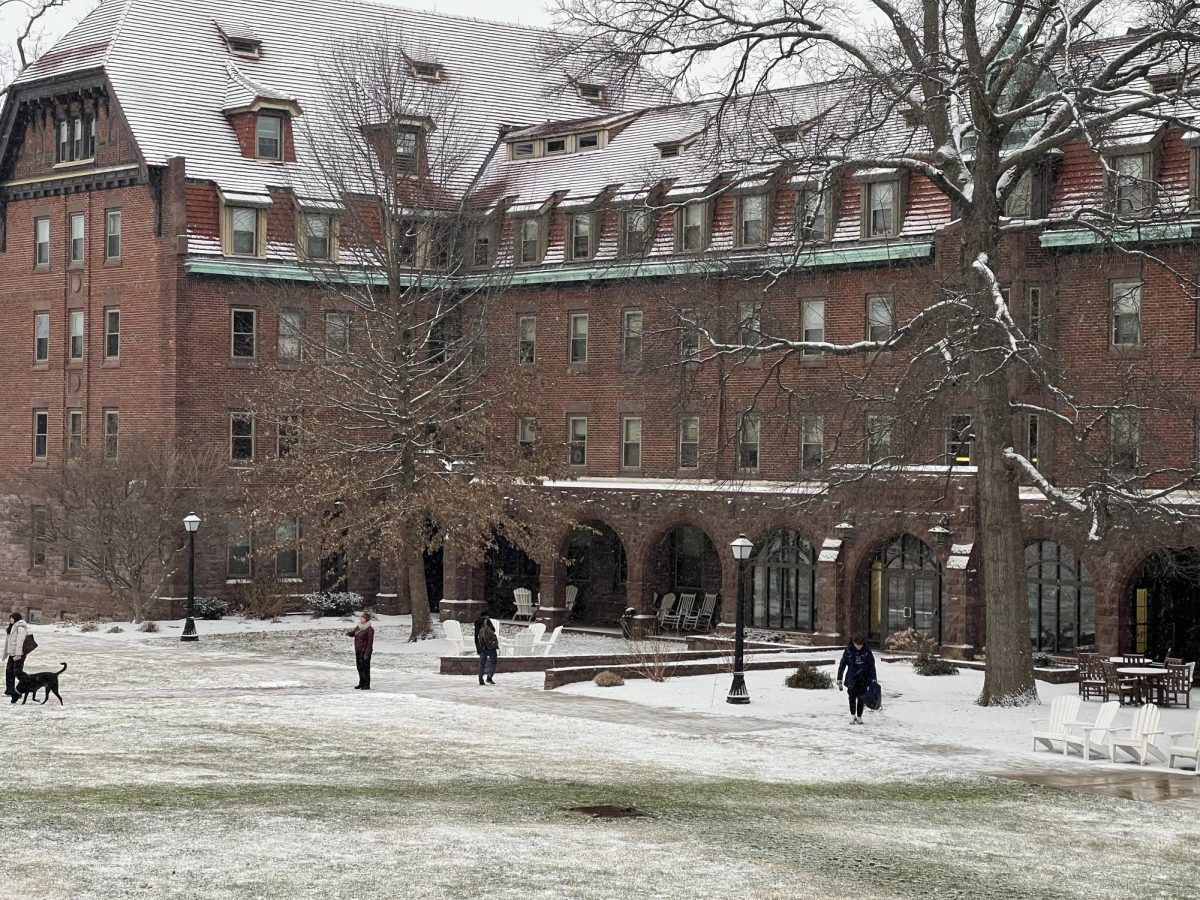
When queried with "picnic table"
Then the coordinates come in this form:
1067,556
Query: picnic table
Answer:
1149,681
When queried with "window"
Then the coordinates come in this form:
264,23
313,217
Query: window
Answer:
810,214
269,136
752,220
287,434
337,334
526,433
689,335
1032,439
637,233
781,590
1126,313
112,234
581,236
241,436
41,337
318,229
1132,187
244,47
41,433
243,224
1123,439
879,438
523,150
881,324
238,550
748,441
427,71
288,341
75,344
669,151
880,209
812,314
1020,200
579,338
577,440
588,141
689,442
527,340
557,146
631,442
749,325
243,333
76,139
529,238
408,148
693,223
287,549
39,529
41,242
112,432
1035,314
632,333
959,436
812,443
590,91
1062,599
62,151
482,248
77,241
112,333
75,433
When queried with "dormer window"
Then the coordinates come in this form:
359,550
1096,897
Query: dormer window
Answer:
669,151
588,141
581,236
882,195
752,220
269,136
1020,201
427,71
589,91
524,150
529,241
637,231
244,47
317,235
1132,184
408,146
812,215
786,134
245,231
557,146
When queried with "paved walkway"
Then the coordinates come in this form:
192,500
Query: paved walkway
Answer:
1178,789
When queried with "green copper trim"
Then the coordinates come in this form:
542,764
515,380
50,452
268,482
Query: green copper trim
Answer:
1084,237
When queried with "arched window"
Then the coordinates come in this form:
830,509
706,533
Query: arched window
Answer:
783,583
904,589
1062,602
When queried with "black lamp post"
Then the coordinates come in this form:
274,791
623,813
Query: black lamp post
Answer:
742,548
191,522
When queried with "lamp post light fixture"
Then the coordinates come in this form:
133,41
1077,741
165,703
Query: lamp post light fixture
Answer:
941,532
191,524
742,548
844,530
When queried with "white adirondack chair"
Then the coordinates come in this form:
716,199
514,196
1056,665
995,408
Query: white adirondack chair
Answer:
1063,711
572,596
675,618
537,629
520,644
1091,735
701,613
524,598
454,634
1185,745
1138,738
543,648
665,605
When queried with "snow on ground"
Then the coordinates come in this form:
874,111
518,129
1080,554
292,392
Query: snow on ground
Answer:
244,766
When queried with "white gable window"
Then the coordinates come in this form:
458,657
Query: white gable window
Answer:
243,231
881,209
590,91
269,136
1132,185
581,236
407,144
752,220
529,241
588,141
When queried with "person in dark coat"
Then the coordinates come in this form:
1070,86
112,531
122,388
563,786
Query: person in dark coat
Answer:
858,664
364,645
487,643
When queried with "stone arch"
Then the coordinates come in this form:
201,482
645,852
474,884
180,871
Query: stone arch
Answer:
1160,604
782,581
901,580
594,560
1062,597
682,557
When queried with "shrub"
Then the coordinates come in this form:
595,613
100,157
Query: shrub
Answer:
89,626
264,598
929,663
210,607
608,679
906,641
149,626
810,679
1042,660
116,629
333,603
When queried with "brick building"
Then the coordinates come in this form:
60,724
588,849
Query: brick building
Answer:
157,186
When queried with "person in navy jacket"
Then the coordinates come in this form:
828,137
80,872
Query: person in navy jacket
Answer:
858,664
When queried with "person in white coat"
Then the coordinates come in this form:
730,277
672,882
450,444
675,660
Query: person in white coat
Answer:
14,653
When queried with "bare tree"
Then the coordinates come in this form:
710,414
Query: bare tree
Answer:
27,19
395,442
114,521
975,99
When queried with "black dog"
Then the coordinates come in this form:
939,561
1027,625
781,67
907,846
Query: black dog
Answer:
32,682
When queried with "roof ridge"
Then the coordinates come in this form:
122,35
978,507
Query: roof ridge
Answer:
116,31
458,17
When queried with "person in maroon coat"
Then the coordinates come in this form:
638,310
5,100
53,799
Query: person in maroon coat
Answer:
364,644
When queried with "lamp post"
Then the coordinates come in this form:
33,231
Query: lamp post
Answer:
191,523
742,548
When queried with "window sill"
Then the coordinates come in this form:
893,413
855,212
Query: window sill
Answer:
112,262
243,362
75,264
114,363
39,463
290,579
75,363
814,362
73,163
1126,351
45,366
42,269
239,581
577,368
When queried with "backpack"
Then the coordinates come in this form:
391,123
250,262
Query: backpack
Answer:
29,645
873,698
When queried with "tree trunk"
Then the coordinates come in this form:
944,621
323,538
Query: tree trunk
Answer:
418,594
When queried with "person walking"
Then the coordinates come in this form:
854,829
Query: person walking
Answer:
487,643
14,653
858,664
364,645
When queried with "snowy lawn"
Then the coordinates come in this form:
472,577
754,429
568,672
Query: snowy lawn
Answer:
245,767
